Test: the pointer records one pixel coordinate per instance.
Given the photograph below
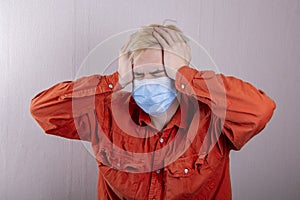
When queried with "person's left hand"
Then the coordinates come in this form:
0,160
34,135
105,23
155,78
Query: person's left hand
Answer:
176,52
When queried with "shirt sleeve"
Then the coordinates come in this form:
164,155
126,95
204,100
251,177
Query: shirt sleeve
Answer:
67,108
244,109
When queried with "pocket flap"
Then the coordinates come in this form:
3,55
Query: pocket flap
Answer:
185,166
126,161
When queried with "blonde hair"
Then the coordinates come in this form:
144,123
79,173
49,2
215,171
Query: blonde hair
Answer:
143,38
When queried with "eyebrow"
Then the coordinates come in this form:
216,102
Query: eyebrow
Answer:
138,73
152,73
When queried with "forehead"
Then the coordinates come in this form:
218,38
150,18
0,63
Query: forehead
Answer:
148,57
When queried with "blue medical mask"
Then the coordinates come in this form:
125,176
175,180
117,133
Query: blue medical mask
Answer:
154,96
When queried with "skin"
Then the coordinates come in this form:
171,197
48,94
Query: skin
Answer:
148,64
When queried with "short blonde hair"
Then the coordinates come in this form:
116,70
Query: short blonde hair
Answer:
143,38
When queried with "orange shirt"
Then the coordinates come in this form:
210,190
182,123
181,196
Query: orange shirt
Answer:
188,159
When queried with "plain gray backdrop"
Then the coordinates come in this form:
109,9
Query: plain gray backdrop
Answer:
44,42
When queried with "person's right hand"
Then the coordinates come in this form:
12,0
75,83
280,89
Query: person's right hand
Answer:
125,65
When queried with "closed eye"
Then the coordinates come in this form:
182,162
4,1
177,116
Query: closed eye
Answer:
157,72
138,74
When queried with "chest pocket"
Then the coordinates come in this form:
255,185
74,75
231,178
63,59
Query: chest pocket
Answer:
123,161
186,176
120,172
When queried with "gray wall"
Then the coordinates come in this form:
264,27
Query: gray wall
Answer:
44,42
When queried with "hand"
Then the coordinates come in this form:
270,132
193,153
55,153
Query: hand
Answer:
125,65
176,52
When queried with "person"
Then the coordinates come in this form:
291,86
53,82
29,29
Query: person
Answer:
171,135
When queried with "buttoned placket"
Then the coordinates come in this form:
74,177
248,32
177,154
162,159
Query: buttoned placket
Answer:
156,183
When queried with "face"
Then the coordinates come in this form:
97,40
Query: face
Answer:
148,64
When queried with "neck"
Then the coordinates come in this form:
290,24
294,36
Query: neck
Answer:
161,121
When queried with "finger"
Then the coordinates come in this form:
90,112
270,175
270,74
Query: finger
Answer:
123,55
131,64
164,35
160,40
174,35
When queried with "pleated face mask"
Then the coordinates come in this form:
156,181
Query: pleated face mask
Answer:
154,96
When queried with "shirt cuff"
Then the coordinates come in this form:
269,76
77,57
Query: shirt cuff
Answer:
93,85
186,75
110,83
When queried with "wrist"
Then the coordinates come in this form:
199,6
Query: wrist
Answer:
122,81
172,73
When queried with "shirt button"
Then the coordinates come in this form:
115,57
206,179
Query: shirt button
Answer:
161,140
186,170
182,86
158,171
110,85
